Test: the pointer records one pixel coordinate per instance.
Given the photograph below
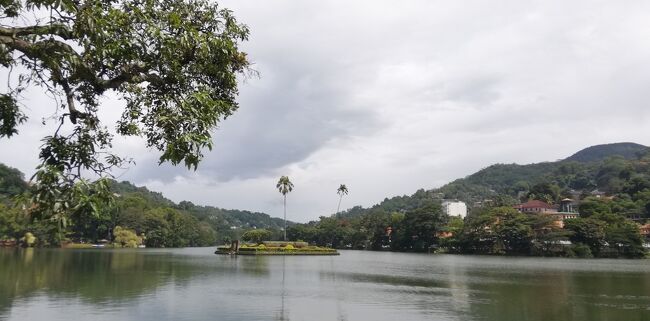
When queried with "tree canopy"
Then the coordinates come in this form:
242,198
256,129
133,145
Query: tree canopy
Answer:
173,62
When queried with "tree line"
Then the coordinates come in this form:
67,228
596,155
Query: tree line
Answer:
137,215
493,230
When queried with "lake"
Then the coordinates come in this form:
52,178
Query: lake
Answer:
194,284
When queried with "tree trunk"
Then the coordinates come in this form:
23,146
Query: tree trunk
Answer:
338,208
285,217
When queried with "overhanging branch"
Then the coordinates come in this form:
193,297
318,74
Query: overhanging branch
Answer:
55,29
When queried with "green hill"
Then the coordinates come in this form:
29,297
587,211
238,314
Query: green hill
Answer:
610,168
12,181
405,223
226,222
601,152
163,222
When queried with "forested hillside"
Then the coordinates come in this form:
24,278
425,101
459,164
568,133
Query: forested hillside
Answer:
145,216
603,170
601,152
614,195
12,182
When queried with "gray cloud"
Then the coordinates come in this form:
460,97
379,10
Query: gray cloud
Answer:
282,119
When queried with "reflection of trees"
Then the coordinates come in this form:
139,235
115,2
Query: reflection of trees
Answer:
283,294
255,265
563,295
97,276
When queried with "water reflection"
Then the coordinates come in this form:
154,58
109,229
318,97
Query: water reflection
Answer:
194,284
100,277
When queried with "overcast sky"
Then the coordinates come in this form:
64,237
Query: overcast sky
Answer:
391,96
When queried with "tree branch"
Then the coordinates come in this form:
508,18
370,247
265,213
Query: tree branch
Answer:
55,29
129,74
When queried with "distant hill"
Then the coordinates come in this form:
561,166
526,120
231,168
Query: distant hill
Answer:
600,152
220,219
595,167
225,222
12,182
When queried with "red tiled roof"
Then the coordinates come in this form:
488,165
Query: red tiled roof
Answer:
534,204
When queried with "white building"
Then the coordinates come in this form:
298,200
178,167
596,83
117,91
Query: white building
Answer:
454,208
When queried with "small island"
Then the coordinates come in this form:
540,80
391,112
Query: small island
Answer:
275,248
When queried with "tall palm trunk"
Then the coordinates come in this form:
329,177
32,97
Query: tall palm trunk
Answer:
338,208
285,217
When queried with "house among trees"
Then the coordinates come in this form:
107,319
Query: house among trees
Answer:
645,230
566,210
534,206
454,208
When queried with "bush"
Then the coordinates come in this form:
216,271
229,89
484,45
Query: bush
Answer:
257,236
126,237
29,239
582,250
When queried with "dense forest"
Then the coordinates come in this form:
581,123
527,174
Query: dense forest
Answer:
143,217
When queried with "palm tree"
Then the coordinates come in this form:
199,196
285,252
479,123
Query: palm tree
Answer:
342,190
285,186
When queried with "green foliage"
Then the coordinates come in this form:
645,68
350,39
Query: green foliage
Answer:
546,192
82,201
587,231
29,239
175,63
284,185
513,231
499,230
593,206
257,236
126,238
624,240
278,249
342,190
582,250
161,221
601,152
12,181
12,225
455,226
419,227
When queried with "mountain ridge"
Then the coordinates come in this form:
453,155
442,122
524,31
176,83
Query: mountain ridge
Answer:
627,150
589,169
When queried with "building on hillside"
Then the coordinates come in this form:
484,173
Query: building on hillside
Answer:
535,206
597,193
567,205
566,210
454,208
483,203
438,196
444,234
645,230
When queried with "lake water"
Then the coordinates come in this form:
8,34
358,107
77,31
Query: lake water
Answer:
194,284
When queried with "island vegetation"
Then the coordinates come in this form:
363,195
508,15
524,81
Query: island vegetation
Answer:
275,248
